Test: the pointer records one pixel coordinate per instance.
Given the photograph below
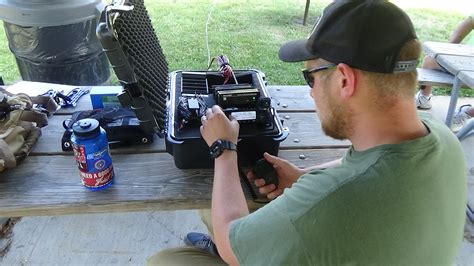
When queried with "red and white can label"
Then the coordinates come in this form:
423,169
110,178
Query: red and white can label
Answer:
80,156
95,166
95,180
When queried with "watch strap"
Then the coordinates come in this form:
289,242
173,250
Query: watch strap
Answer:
219,146
229,145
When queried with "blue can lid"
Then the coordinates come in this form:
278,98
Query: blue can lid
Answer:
88,127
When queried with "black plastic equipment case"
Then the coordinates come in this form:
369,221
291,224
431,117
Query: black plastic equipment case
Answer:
129,40
186,144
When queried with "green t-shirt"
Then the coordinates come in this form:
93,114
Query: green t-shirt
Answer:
401,204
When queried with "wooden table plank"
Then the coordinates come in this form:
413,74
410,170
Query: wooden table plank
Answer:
83,104
440,48
291,98
454,64
467,77
432,77
50,185
284,98
305,132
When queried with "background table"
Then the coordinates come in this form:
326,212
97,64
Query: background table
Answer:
458,59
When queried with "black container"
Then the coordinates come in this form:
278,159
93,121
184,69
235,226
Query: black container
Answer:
64,54
186,144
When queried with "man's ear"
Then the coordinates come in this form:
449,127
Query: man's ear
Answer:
347,80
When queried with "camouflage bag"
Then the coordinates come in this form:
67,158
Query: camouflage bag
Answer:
20,123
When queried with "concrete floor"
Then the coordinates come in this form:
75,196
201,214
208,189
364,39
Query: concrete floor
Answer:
130,238
98,239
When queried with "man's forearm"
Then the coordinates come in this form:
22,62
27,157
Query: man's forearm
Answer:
228,202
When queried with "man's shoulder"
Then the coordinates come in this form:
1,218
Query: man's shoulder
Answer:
427,116
438,128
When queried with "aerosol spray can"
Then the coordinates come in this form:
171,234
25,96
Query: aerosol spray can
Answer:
91,151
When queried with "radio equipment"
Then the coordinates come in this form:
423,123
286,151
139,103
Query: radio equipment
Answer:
236,95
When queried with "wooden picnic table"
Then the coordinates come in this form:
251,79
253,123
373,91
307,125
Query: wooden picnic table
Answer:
48,183
458,59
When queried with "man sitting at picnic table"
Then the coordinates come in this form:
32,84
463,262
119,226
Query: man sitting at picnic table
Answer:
397,197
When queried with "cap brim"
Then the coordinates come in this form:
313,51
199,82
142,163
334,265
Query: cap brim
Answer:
295,51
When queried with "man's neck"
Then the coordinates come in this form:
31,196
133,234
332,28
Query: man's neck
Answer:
397,125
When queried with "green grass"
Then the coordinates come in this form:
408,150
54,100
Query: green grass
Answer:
248,32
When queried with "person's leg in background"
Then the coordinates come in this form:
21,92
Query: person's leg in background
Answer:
203,241
462,116
200,250
423,97
206,219
184,256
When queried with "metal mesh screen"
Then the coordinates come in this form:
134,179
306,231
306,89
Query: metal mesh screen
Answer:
138,40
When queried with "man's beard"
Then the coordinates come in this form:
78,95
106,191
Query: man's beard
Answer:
338,119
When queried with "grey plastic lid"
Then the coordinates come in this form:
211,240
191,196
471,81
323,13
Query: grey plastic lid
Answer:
44,13
86,128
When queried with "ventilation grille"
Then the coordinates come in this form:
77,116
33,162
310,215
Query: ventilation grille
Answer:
194,83
138,40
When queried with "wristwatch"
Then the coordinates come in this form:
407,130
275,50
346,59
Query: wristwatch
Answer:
218,147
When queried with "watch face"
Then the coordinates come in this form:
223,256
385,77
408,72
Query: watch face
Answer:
216,149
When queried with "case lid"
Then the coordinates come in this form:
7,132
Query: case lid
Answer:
128,22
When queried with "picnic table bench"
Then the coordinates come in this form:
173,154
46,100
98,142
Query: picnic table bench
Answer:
48,183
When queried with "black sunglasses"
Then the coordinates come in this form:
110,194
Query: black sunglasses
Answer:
310,78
